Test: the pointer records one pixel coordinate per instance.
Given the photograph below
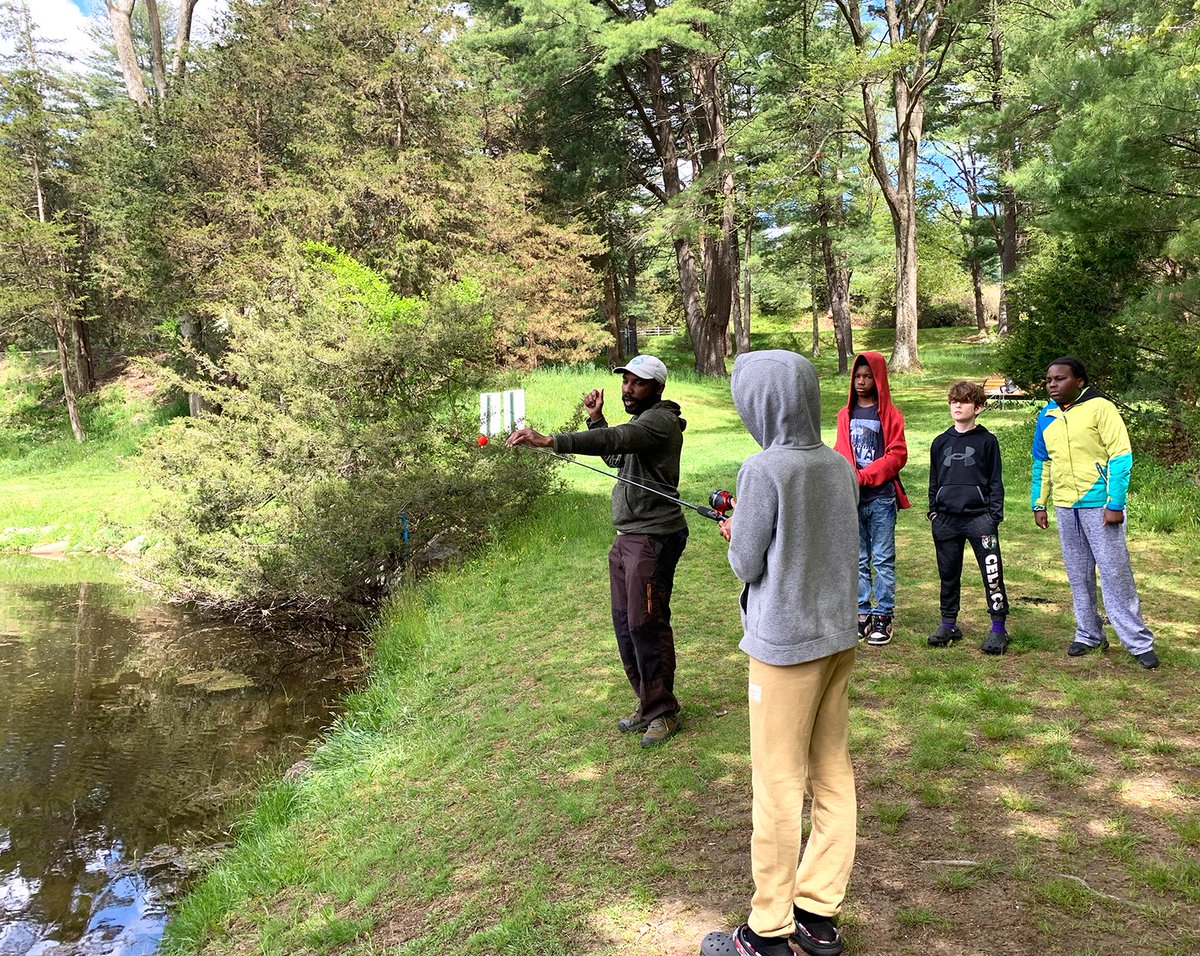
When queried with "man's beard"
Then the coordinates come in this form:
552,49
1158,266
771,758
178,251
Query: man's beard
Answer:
635,407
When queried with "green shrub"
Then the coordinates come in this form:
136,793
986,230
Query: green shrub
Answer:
1070,297
943,314
342,416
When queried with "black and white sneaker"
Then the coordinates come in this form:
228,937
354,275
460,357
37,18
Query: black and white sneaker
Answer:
881,630
864,626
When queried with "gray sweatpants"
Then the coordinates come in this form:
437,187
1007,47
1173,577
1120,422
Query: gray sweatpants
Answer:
1087,544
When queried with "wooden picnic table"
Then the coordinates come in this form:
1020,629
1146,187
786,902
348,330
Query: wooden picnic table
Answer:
1001,389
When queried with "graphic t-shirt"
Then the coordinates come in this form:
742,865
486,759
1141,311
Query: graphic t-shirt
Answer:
866,438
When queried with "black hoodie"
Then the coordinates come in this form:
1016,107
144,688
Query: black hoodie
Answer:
964,474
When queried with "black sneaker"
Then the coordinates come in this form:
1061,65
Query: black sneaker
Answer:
1148,659
881,630
1078,648
864,626
945,634
737,943
816,934
994,643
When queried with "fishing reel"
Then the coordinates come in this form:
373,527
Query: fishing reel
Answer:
721,502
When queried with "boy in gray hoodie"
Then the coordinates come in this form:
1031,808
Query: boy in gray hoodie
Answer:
793,542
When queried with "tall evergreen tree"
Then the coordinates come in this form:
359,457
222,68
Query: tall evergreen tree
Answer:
38,238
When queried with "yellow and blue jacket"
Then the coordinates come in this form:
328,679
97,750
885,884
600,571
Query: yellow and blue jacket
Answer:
1081,455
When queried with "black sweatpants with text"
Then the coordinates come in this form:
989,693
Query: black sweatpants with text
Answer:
950,532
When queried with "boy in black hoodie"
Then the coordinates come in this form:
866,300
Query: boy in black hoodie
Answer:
966,503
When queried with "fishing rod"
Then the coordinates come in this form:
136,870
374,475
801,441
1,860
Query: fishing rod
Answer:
721,500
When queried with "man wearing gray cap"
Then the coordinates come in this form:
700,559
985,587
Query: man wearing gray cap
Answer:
651,533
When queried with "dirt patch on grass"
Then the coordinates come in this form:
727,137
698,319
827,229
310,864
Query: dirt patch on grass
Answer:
137,377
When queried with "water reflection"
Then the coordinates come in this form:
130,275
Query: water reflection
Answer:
124,728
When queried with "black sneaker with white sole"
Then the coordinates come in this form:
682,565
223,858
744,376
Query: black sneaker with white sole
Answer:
881,630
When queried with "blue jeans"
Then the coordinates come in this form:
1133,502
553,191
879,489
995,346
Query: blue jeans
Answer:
877,548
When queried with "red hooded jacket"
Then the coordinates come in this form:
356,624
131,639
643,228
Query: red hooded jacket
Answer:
895,449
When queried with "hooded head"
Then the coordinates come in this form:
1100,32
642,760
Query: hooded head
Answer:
777,395
878,366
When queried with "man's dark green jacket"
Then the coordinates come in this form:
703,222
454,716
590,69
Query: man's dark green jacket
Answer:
644,449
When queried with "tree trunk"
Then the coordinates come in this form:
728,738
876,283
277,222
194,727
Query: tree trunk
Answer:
743,339
193,335
735,312
909,121
814,299
837,281
158,68
64,368
720,272
85,366
1006,236
120,17
662,132
918,29
837,274
977,289
183,36
615,354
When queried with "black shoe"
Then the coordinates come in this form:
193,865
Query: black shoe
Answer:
1078,648
994,643
881,630
945,634
816,934
1148,659
864,626
634,722
737,943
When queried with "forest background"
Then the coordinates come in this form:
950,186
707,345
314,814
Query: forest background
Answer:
329,225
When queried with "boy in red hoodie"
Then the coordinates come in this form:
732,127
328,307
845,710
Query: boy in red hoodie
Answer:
870,435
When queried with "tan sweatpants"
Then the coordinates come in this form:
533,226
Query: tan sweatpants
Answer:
799,741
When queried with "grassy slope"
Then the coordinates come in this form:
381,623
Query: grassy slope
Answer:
477,797
53,488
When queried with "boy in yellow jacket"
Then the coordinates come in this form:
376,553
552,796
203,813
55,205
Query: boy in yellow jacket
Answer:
1081,462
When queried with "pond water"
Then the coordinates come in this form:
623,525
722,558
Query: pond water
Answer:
125,730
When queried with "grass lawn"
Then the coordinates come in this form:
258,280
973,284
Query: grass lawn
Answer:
477,798
54,489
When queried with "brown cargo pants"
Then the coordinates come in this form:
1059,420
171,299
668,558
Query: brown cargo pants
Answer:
641,572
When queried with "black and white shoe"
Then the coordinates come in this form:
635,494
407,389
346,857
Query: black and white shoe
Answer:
881,630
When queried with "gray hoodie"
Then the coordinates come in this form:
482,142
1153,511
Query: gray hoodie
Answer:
794,538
